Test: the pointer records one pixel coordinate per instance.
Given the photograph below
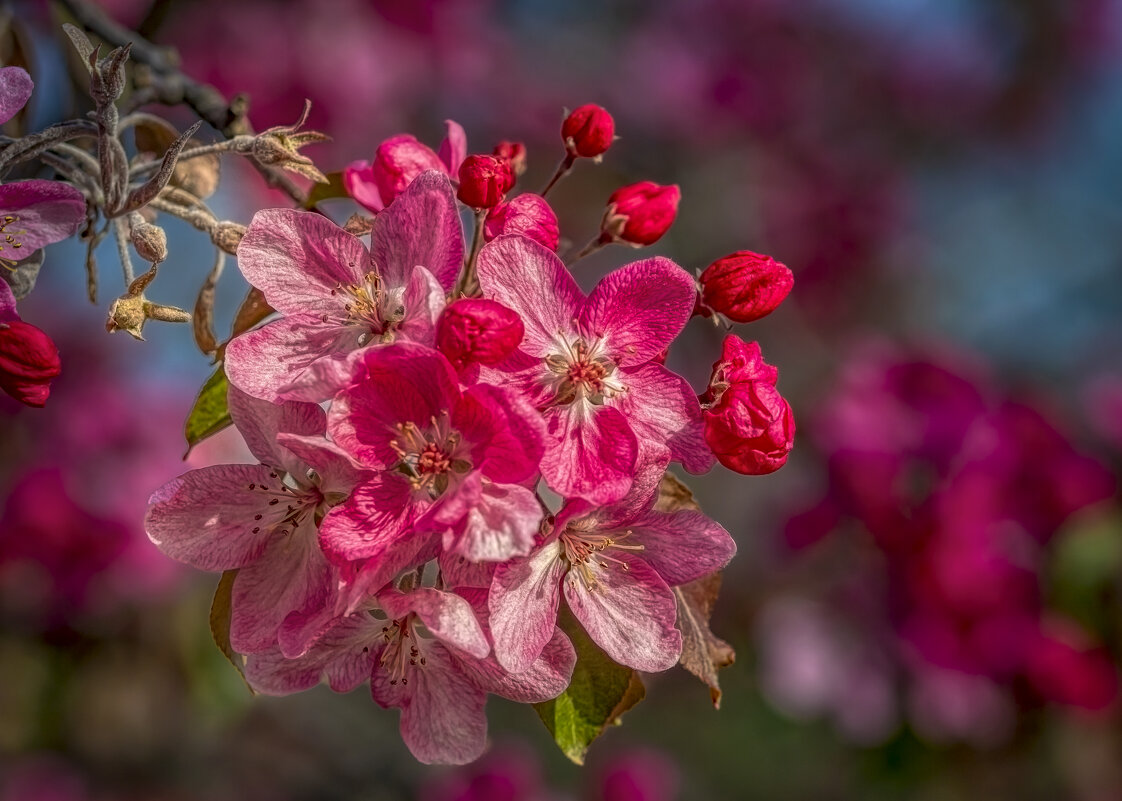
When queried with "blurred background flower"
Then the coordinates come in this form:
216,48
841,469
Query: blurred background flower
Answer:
926,599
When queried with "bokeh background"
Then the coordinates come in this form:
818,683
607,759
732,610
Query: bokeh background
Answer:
926,601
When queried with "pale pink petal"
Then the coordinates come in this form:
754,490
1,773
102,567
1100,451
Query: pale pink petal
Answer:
639,309
15,90
296,258
420,228
630,613
546,678
501,525
344,656
447,616
291,575
358,180
590,452
210,519
259,422
662,408
336,472
530,279
302,629
454,148
457,571
523,603
364,579
423,301
682,546
7,304
46,212
276,362
392,384
442,718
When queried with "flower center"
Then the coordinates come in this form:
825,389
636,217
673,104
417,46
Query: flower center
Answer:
287,506
402,651
587,550
8,239
371,306
432,457
578,371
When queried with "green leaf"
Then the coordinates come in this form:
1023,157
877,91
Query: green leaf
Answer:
332,189
220,609
600,692
209,415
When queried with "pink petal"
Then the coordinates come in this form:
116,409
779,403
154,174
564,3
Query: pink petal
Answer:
296,258
682,546
292,575
454,148
421,227
662,408
457,571
259,422
528,278
7,304
46,212
507,430
358,180
337,473
343,655
446,615
523,603
546,678
394,384
442,718
629,613
640,308
423,302
375,522
590,452
280,361
15,90
501,525
206,518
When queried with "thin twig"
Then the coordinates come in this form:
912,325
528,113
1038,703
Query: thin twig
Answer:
120,228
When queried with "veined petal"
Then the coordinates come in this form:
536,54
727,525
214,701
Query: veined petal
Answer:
423,301
259,422
523,603
276,362
337,472
375,522
343,655
15,90
446,615
682,546
46,212
208,518
590,452
528,278
663,409
296,258
421,227
506,430
639,309
628,611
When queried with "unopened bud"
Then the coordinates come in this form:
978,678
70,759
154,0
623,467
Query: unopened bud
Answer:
640,214
588,131
527,215
227,236
745,286
514,152
484,181
477,331
150,241
28,362
397,162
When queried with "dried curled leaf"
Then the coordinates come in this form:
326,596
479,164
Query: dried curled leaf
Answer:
703,653
198,175
202,321
147,191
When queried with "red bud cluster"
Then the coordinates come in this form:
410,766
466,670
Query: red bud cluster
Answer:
484,181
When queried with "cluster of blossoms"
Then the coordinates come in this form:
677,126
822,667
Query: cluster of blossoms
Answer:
493,440
962,493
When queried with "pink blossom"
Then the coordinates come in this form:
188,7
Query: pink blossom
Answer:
37,213
427,653
616,566
261,519
449,467
337,297
588,364
527,215
398,161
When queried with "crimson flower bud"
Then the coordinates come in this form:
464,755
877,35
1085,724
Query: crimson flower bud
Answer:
745,286
748,424
514,152
477,331
640,214
398,161
527,215
28,362
484,181
588,131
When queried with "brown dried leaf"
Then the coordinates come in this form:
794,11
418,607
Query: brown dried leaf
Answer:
253,310
674,496
359,224
198,175
202,321
703,653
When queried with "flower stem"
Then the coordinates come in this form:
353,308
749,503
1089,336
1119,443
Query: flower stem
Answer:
593,246
562,170
468,285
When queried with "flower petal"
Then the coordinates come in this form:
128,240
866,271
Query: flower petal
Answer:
421,227
523,603
15,90
590,452
628,611
528,278
296,258
682,546
662,409
446,615
639,309
453,150
343,655
259,422
46,212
